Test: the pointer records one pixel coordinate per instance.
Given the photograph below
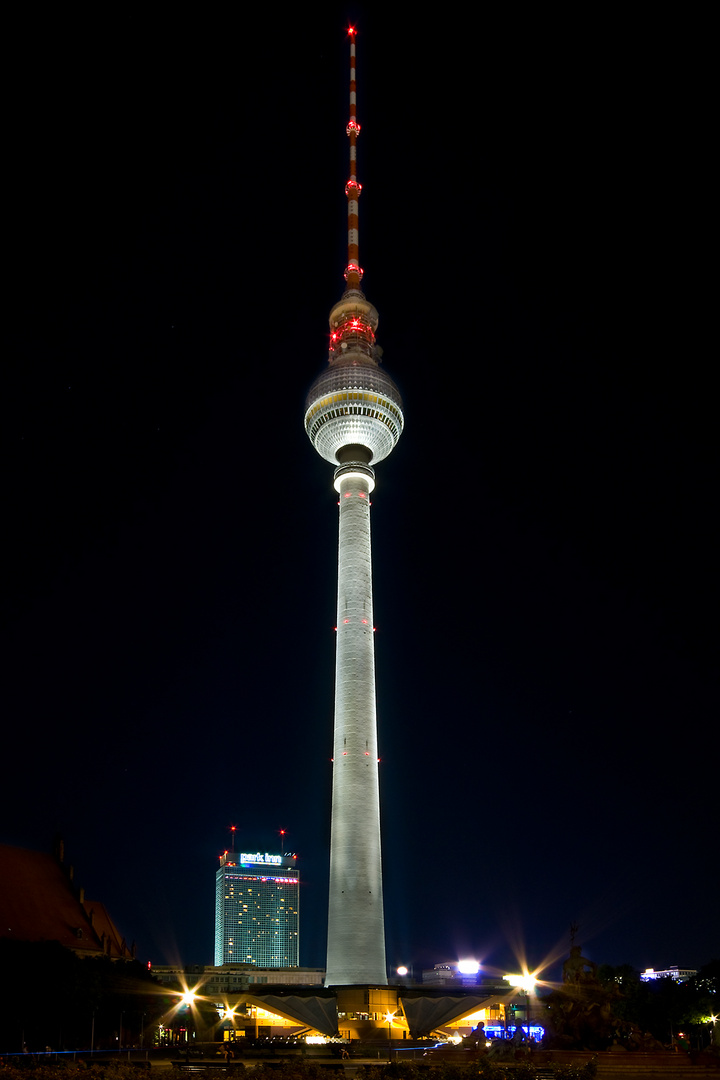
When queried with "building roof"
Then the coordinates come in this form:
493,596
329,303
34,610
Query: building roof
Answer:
39,902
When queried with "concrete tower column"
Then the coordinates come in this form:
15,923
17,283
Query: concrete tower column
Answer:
356,933
354,417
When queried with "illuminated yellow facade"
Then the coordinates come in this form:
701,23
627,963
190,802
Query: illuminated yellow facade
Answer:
370,1013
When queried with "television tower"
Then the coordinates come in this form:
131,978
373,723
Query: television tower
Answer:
354,418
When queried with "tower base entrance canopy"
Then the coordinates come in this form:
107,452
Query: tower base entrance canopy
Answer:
360,1012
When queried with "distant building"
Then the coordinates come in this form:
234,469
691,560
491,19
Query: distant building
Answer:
457,973
39,901
208,980
676,973
256,910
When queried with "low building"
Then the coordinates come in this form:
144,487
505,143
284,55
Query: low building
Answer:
677,973
209,979
461,973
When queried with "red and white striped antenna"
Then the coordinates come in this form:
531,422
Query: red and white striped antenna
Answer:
353,271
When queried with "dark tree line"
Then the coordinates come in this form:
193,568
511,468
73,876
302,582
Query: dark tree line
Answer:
666,1008
49,997
615,1007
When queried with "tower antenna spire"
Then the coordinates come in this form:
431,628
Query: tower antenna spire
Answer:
353,271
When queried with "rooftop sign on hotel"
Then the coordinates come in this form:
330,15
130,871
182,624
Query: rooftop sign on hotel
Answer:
258,857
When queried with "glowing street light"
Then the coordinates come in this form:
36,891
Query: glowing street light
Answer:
527,984
523,982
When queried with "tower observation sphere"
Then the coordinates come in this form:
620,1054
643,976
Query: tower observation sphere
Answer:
353,403
354,418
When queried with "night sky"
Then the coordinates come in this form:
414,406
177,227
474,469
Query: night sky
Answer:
534,229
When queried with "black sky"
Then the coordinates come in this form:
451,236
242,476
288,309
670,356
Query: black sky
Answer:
535,234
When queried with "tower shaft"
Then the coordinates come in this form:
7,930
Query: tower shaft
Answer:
356,930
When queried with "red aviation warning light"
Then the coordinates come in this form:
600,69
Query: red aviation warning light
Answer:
352,268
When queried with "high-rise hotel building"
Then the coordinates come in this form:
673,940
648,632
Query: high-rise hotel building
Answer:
256,910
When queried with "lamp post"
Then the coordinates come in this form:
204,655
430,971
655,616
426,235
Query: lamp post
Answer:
526,983
389,1017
